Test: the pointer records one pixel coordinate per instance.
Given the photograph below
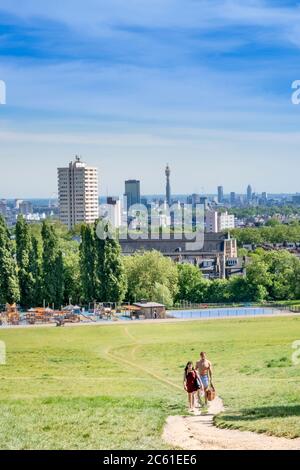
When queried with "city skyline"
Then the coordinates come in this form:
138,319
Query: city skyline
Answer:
117,189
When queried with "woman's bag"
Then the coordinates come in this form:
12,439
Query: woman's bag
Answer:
198,383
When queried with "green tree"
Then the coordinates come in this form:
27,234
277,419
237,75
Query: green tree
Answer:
88,264
217,291
113,277
192,287
59,284
100,236
258,272
162,295
53,280
35,268
9,285
146,271
283,267
72,277
23,251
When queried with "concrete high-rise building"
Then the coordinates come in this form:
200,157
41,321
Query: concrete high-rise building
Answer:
168,185
232,198
132,192
78,195
220,194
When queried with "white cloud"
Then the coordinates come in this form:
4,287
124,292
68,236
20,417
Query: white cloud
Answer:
102,15
164,137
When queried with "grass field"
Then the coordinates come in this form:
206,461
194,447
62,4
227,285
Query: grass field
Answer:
112,387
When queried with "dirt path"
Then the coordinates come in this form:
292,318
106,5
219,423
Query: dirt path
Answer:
199,433
134,365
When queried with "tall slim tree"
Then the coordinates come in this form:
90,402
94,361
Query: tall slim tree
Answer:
59,278
110,271
52,266
113,275
9,285
72,277
87,264
100,234
35,268
23,250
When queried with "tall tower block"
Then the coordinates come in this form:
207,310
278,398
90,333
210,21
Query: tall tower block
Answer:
168,185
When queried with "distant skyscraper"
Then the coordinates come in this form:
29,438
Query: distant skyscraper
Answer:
78,194
17,203
203,200
26,208
249,193
114,211
132,192
168,185
194,199
220,194
232,198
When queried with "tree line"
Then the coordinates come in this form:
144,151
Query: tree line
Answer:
44,264
274,233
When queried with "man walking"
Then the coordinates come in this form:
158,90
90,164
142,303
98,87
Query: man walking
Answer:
204,368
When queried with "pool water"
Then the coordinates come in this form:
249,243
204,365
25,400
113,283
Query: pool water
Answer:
220,312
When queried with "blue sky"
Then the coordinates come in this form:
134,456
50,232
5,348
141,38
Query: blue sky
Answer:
204,85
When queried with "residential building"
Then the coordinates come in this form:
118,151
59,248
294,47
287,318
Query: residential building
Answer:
219,221
78,193
211,222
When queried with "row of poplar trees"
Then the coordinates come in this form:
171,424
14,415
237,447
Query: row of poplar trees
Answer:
33,271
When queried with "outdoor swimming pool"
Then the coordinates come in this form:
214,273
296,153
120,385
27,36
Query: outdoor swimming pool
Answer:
220,312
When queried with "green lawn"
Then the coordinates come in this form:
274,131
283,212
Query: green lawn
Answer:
112,387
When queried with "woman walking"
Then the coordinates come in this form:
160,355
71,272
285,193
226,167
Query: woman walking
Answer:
191,384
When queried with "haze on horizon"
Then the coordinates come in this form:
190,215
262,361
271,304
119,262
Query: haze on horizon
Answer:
202,85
